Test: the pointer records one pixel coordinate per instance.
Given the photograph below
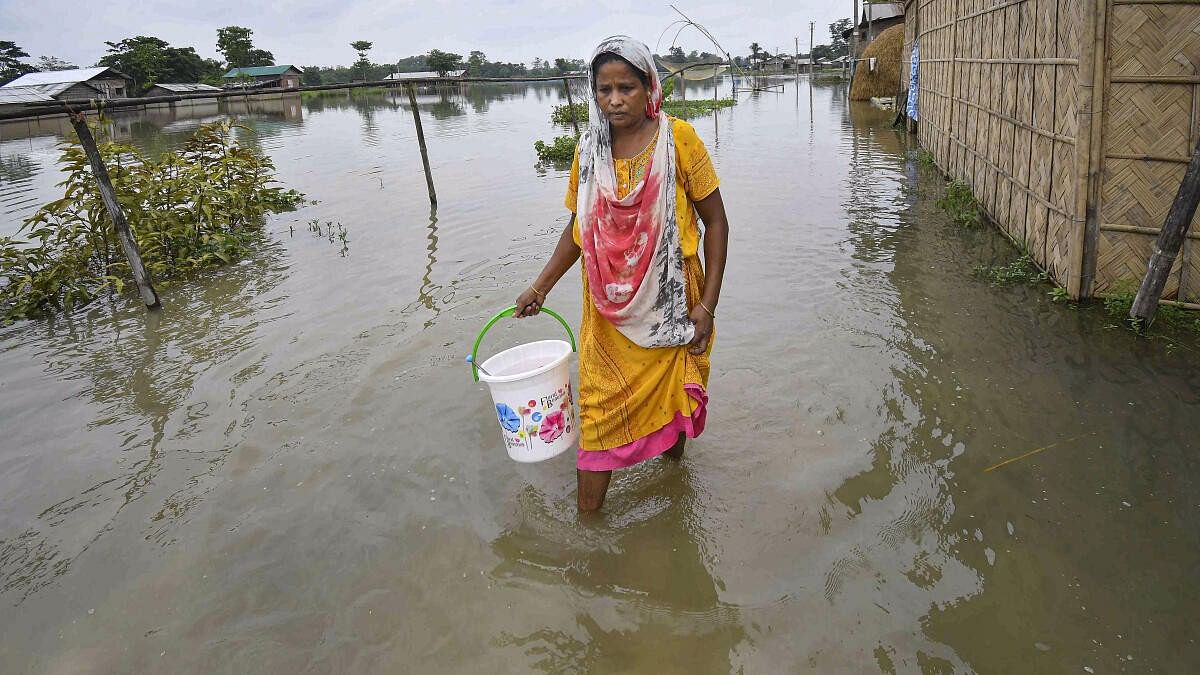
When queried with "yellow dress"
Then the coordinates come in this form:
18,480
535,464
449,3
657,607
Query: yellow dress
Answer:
627,392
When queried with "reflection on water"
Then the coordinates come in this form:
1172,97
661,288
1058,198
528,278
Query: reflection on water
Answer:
290,469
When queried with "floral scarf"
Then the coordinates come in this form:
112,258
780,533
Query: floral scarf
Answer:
631,247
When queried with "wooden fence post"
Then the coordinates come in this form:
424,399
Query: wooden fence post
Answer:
412,100
109,196
571,106
1166,247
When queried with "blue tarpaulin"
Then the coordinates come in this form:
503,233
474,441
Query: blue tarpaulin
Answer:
913,89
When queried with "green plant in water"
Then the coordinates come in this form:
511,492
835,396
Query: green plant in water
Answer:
561,114
1021,270
561,149
1059,294
925,160
686,110
959,202
1119,301
201,206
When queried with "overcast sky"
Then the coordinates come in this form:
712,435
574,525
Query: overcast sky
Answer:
318,32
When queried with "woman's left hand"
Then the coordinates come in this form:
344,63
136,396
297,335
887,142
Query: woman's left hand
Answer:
703,323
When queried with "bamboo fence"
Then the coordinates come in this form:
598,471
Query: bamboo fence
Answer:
1071,120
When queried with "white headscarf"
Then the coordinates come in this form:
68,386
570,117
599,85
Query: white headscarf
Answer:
631,247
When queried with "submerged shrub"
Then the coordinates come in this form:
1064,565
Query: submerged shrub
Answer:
959,202
561,114
561,149
200,206
1021,270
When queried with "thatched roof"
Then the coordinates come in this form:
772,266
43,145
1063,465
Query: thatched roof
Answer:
888,52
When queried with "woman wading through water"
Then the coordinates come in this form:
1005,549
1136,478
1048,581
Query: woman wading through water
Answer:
638,181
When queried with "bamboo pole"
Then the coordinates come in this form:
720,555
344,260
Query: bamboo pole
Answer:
1084,102
1166,247
412,100
109,196
1092,183
951,164
571,104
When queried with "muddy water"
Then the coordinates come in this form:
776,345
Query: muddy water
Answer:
289,470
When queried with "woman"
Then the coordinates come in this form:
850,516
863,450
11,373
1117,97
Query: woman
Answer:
638,180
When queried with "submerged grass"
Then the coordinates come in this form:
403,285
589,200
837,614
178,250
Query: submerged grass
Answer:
1119,302
1022,270
959,202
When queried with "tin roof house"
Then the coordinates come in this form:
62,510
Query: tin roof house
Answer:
58,84
284,76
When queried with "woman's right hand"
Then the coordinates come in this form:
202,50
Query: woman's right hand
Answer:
528,303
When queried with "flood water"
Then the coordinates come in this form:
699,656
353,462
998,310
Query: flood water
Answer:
290,470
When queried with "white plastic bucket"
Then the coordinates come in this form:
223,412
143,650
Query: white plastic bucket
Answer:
531,390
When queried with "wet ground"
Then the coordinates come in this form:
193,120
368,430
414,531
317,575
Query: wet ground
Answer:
289,470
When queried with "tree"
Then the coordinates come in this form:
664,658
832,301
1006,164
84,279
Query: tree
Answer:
675,55
564,66
311,76
476,62
839,46
46,64
141,58
10,66
235,45
149,60
362,66
754,50
443,62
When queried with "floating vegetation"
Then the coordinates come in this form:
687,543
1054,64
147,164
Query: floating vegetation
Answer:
686,110
201,206
1021,270
336,233
959,202
561,149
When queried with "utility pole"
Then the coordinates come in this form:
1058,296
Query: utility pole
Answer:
811,46
797,56
852,61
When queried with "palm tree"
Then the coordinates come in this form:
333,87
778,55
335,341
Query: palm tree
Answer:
754,50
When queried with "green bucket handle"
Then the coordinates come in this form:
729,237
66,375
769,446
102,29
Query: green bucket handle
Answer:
507,313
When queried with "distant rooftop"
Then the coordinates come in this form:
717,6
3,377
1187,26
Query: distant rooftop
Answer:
34,92
187,88
260,71
423,75
62,76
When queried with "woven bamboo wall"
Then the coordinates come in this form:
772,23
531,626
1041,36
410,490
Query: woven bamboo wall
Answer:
998,99
1008,90
1151,126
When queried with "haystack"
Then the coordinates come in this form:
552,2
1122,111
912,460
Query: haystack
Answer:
888,52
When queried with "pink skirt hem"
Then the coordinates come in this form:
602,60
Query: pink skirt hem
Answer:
653,444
